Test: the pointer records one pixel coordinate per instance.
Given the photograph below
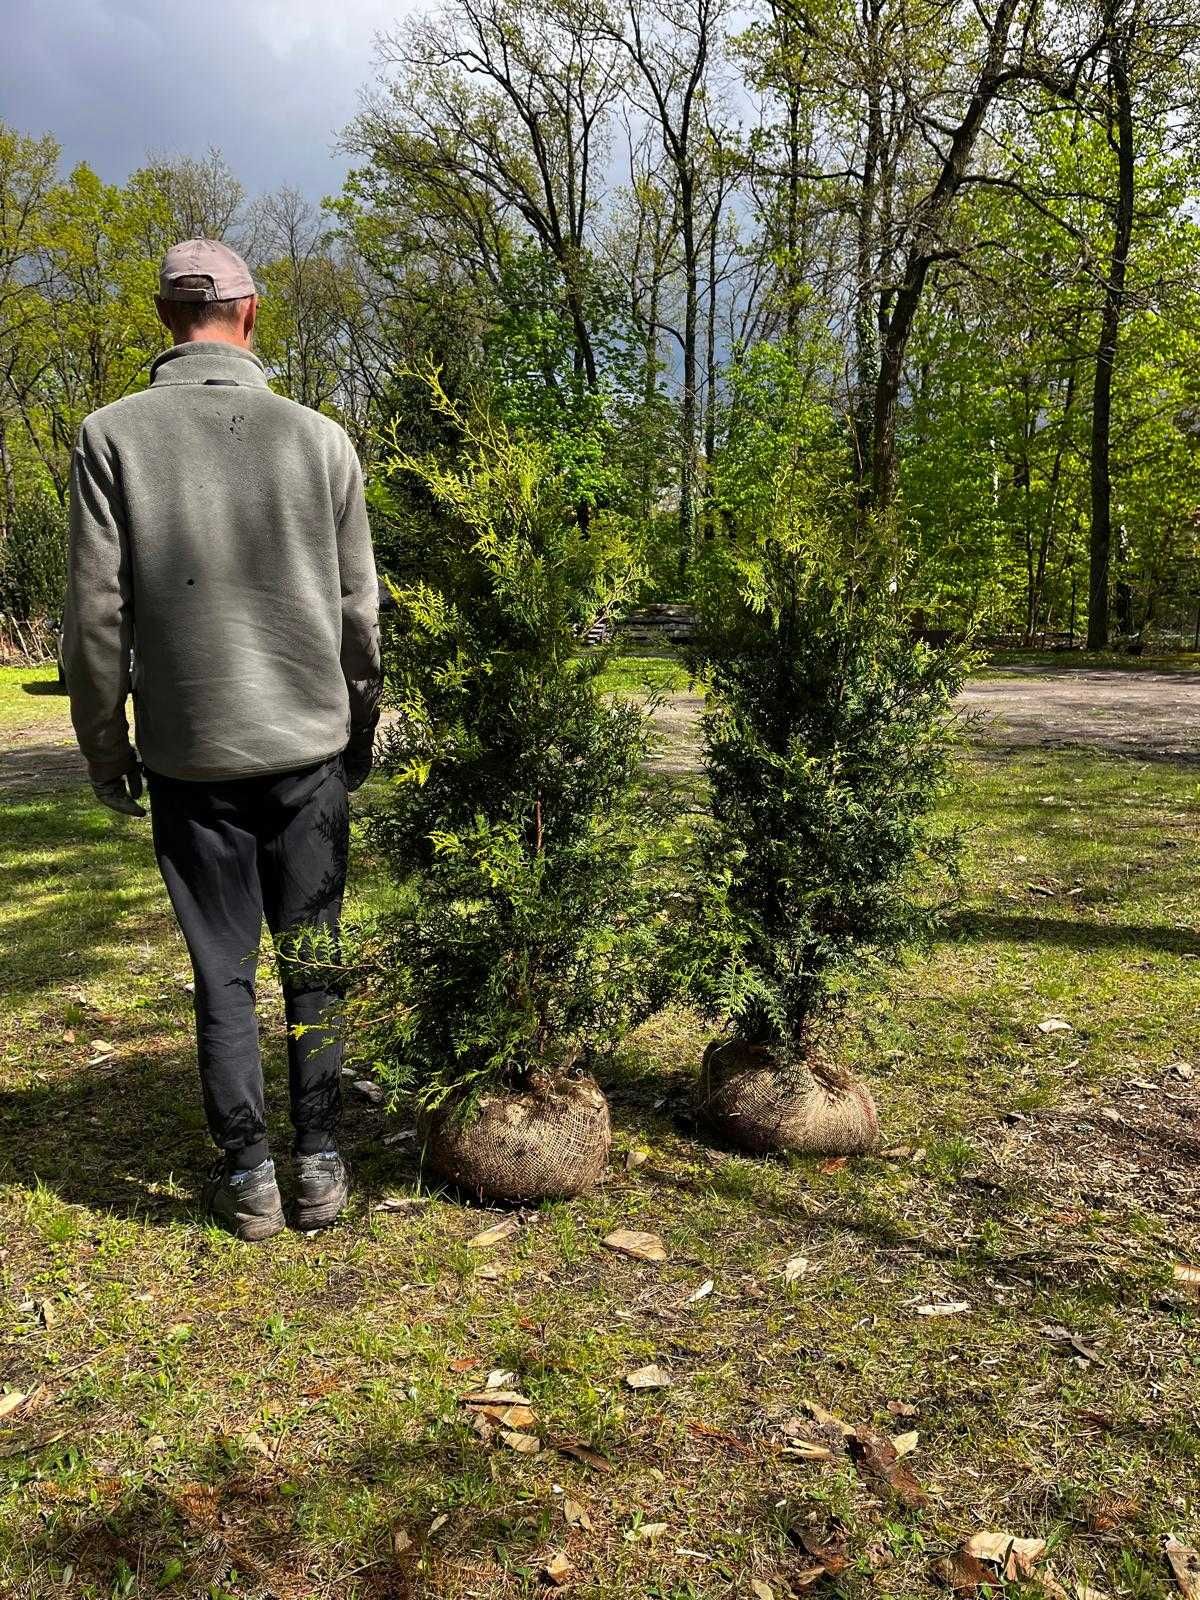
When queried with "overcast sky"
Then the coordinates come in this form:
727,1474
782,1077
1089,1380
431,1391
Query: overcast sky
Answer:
269,82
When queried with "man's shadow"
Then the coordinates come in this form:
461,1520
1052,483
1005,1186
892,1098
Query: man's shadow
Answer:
126,1135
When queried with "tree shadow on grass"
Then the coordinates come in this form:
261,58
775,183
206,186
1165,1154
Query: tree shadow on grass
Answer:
33,768
1069,933
232,1522
890,1239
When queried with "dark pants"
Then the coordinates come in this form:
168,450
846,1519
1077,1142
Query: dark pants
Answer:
229,853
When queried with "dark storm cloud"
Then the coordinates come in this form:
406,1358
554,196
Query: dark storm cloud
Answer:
271,84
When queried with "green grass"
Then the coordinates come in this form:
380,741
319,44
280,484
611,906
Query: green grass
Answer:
1049,662
643,670
30,698
211,1419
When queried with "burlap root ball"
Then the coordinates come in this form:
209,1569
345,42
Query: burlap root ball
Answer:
536,1144
750,1099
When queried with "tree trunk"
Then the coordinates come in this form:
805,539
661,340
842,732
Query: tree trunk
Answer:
1100,540
687,465
710,373
649,393
8,488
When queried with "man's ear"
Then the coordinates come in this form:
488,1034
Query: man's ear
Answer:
249,317
159,306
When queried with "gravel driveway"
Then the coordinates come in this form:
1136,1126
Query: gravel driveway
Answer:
1152,716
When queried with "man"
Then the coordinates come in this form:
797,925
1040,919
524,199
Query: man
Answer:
221,571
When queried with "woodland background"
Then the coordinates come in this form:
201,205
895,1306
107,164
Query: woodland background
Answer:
948,251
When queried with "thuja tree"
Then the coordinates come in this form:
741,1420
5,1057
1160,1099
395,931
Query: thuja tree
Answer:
517,824
826,740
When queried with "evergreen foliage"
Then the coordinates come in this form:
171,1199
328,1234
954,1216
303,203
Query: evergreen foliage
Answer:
827,736
517,821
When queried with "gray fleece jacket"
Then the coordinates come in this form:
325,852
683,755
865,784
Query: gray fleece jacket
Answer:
219,536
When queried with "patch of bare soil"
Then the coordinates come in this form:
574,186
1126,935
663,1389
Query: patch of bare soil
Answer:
1136,1149
29,761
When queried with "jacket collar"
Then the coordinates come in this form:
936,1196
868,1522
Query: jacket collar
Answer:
202,360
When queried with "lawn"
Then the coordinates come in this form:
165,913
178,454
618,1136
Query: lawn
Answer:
206,1418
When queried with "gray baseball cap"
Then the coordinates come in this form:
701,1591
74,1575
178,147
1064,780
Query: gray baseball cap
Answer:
228,275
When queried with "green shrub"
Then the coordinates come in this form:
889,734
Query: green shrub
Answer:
517,824
826,737
33,560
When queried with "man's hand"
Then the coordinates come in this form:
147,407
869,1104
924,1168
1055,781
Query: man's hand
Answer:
122,794
358,757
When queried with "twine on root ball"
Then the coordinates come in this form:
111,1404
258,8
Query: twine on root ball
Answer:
747,1096
544,1143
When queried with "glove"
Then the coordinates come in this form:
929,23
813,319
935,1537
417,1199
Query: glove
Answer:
122,794
357,759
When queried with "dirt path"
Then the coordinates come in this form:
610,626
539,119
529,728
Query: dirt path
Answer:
1150,716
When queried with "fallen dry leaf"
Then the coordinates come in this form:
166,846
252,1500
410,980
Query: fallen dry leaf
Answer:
495,1397
557,1570
578,1451
1015,1557
944,1308
901,1408
1185,1567
807,1577
834,1164
576,1515
646,1530
962,1572
875,1454
795,1267
1186,1278
1073,1342
1054,1025
827,1419
651,1377
525,1444
495,1234
12,1401
499,1378
905,1443
400,1202
520,1417
641,1246
807,1449
761,1590
635,1159
702,1293
400,1541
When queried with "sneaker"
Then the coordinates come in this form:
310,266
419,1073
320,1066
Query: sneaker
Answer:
248,1203
322,1189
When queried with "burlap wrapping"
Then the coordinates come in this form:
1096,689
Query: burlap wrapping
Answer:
542,1144
748,1098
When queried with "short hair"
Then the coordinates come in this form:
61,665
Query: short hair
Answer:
183,317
